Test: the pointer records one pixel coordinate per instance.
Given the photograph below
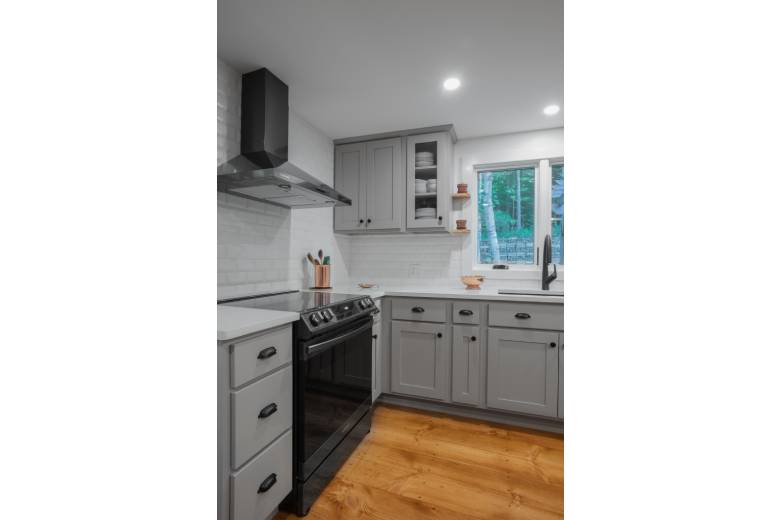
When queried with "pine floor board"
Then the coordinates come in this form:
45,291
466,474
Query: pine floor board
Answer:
420,465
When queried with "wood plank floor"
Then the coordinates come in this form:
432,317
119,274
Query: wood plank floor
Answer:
419,465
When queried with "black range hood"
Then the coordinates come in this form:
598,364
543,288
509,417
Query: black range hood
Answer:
262,171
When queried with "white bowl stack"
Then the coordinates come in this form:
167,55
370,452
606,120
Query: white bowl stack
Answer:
423,159
430,185
425,213
420,186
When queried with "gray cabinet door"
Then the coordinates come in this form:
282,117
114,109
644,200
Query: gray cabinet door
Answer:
466,353
349,179
420,359
522,374
376,360
385,180
440,146
560,375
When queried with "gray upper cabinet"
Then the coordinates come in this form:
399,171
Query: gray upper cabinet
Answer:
349,179
385,202
420,359
466,353
428,181
560,376
372,175
522,371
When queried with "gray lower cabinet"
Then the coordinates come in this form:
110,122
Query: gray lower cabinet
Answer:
522,371
466,352
420,359
560,376
259,487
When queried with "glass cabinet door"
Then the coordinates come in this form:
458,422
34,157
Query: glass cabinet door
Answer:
428,180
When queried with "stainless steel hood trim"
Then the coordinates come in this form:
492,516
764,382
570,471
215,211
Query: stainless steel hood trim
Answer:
291,186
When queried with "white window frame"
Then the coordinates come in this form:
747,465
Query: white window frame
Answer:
542,222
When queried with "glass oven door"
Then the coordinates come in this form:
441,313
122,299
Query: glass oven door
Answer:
335,389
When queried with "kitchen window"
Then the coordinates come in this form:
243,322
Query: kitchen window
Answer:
517,205
507,203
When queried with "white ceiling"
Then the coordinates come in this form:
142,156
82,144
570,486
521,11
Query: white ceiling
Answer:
358,67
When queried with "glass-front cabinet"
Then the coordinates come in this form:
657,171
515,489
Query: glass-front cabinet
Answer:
428,170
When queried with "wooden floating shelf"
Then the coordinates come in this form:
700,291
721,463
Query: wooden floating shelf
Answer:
424,195
460,231
425,169
461,195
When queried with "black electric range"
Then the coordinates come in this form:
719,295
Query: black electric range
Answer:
332,382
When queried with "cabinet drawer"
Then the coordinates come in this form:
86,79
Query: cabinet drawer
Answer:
419,310
251,358
272,470
526,315
270,397
465,312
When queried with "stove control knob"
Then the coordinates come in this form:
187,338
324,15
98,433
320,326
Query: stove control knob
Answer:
368,302
315,318
362,304
325,316
331,316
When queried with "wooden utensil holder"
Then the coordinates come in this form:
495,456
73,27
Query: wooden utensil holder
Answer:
322,276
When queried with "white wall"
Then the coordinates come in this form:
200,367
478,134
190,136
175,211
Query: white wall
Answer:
262,247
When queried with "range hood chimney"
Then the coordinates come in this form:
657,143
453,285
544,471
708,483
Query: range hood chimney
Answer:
262,171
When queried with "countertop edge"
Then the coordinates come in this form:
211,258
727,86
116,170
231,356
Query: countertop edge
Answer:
251,325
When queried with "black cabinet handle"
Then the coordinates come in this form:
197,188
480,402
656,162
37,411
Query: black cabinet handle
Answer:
552,344
266,353
418,309
522,315
465,312
374,336
473,338
361,220
268,410
267,483
439,220
369,221
438,334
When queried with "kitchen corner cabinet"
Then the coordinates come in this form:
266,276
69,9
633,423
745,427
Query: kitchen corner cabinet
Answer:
466,353
428,181
372,174
420,359
522,371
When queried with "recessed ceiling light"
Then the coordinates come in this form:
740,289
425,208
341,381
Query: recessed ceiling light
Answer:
551,110
451,83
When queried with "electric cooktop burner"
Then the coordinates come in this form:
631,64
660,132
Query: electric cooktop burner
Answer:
319,311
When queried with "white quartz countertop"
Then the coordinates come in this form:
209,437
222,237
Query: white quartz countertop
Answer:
446,292
233,322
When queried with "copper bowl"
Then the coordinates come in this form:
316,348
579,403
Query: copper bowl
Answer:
472,282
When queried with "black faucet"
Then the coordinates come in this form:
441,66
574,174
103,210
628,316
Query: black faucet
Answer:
546,259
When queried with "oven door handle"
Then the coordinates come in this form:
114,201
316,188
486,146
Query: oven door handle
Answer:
315,349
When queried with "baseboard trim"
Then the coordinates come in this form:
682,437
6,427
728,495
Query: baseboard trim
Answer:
523,421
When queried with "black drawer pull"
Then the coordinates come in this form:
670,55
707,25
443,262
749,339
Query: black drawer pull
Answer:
552,344
466,312
438,334
374,336
522,315
268,410
266,353
473,338
267,483
418,309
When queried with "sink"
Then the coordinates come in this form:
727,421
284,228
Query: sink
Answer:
530,292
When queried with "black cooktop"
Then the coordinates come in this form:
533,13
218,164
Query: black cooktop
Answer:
292,301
